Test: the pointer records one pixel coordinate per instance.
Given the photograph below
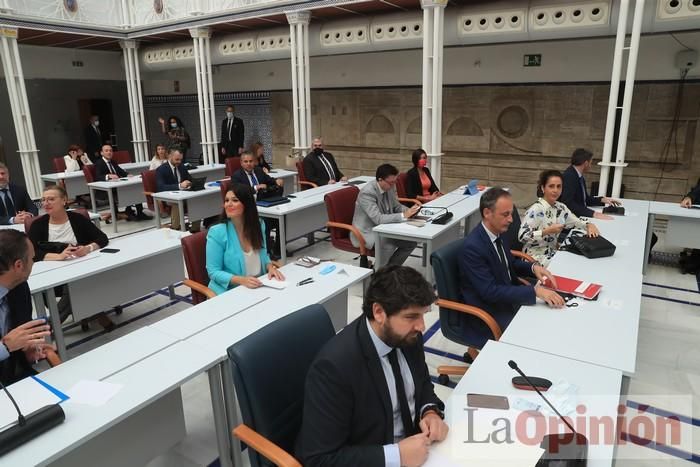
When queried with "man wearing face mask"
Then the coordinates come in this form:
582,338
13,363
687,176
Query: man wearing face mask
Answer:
320,167
232,135
93,138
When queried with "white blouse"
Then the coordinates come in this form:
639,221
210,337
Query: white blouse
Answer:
155,163
62,233
72,165
252,263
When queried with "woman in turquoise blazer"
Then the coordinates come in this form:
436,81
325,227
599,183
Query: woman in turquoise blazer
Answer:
236,250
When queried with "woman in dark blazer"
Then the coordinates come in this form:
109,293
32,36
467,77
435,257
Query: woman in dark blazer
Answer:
419,182
62,235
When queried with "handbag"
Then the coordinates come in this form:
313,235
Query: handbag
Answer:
615,210
590,247
53,247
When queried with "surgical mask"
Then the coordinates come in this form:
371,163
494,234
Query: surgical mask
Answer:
229,114
421,163
318,151
96,123
173,125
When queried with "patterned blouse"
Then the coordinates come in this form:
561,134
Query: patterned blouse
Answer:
537,218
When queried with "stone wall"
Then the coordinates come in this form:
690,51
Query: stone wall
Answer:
505,134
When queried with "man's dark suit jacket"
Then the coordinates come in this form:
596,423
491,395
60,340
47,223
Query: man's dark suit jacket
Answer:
485,283
573,197
166,180
239,176
93,143
84,230
694,195
347,408
414,188
101,170
315,171
21,200
231,145
16,367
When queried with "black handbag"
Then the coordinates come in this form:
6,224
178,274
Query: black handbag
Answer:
272,191
53,247
615,210
590,247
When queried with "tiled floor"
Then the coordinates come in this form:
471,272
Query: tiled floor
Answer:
668,354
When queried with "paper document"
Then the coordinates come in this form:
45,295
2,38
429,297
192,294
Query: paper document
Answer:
30,396
274,283
94,393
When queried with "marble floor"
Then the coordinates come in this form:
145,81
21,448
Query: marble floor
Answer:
668,355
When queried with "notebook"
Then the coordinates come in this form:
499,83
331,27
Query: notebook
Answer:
272,201
578,288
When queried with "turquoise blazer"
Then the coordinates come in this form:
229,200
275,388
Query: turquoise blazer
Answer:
225,256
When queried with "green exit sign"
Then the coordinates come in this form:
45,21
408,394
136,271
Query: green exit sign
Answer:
532,60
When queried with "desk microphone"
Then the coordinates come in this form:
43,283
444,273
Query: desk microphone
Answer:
29,427
442,218
561,450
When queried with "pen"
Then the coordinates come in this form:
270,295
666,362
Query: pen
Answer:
306,281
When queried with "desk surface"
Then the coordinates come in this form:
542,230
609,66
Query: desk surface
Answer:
121,182
672,209
599,391
136,247
210,189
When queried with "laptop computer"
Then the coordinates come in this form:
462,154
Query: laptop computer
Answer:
471,188
198,183
272,201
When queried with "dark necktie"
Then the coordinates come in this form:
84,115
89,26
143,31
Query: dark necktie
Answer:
175,175
230,124
328,167
582,181
111,168
254,179
502,256
9,205
408,428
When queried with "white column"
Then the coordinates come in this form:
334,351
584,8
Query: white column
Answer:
205,94
17,92
301,95
431,121
133,86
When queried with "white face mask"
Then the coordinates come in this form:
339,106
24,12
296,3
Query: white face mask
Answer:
96,123
173,125
229,114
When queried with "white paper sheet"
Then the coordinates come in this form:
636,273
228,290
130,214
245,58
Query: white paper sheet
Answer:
274,283
94,393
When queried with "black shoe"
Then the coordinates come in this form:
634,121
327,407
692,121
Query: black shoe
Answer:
143,217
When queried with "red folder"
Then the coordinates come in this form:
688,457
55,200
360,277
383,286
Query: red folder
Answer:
587,290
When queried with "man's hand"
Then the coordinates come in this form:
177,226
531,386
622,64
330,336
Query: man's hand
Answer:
331,181
112,176
613,201
602,217
261,186
686,202
414,450
185,184
279,182
410,212
223,151
552,298
34,353
344,179
27,334
433,426
554,229
592,230
543,275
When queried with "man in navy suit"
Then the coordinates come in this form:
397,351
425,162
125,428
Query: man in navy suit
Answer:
107,169
489,272
173,176
15,203
574,192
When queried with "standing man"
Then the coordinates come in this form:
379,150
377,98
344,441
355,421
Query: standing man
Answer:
15,203
173,176
377,204
368,398
232,135
93,138
106,169
320,167
574,192
22,340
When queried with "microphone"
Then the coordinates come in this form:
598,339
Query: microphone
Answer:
29,427
561,450
442,218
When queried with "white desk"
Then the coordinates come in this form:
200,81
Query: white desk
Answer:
146,262
599,391
211,172
433,236
135,168
304,214
75,184
602,332
198,204
129,191
682,227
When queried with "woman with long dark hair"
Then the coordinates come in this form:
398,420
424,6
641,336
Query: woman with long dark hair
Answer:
419,183
236,249
178,137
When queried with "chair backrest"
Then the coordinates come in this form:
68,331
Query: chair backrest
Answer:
59,165
194,250
148,178
301,176
30,220
340,205
232,164
401,185
121,157
456,326
278,356
513,230
90,173
224,184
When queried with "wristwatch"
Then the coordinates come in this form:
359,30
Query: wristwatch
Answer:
435,408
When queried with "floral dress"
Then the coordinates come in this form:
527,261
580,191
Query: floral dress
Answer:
537,218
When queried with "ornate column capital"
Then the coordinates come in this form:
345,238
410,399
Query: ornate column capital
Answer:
8,31
129,44
298,17
433,4
200,33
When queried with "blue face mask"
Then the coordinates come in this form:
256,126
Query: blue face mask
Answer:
173,125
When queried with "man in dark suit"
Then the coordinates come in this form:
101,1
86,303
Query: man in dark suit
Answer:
106,169
320,167
368,397
693,197
22,340
93,138
173,176
15,203
265,186
232,135
574,192
489,272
